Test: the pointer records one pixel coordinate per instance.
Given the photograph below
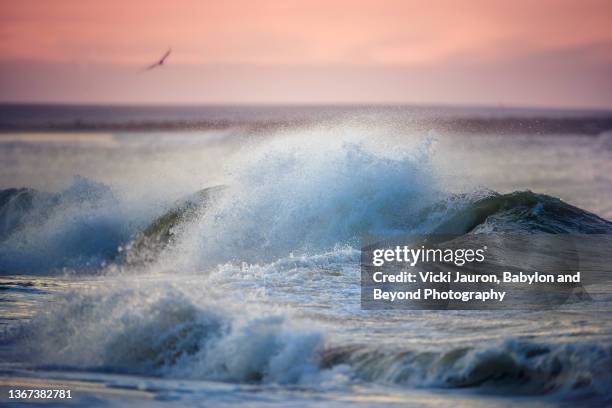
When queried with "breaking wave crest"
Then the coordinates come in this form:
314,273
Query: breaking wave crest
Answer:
142,329
177,333
80,228
283,198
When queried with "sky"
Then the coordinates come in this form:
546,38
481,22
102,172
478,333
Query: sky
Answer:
512,53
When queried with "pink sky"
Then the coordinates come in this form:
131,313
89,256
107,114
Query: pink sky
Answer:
545,53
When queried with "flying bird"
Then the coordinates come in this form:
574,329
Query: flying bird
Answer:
160,62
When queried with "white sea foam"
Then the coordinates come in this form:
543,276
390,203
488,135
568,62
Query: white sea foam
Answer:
294,195
169,329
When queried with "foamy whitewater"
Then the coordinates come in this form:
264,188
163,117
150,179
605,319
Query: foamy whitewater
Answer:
219,266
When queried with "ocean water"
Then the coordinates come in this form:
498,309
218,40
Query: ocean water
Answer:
209,256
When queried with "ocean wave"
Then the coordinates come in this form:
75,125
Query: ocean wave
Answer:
283,198
142,329
514,367
475,213
303,197
174,333
520,212
79,228
287,197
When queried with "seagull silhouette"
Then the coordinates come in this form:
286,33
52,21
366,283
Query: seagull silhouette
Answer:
160,62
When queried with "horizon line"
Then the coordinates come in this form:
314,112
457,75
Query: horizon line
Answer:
228,104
